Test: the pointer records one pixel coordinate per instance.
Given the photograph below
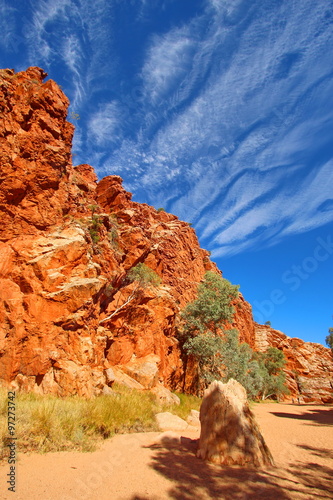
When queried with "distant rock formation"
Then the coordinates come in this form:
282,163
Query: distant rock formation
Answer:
229,434
309,368
67,243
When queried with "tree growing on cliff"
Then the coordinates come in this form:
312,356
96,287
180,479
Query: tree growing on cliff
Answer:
203,334
212,309
271,365
329,339
217,350
143,277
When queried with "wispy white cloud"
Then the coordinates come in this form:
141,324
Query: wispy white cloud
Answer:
104,126
223,120
167,64
278,216
46,11
73,57
248,119
8,39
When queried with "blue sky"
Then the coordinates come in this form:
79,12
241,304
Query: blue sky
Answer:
220,111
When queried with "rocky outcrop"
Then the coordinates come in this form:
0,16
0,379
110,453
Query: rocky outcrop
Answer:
243,321
309,368
68,313
166,421
67,244
229,434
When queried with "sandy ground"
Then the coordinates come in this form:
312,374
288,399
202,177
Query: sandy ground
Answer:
155,466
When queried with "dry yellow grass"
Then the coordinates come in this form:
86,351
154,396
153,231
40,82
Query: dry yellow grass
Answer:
49,423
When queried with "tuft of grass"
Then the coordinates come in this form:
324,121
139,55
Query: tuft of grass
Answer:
126,411
49,423
187,403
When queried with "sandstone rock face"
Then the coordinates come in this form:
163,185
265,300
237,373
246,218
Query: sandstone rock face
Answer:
169,422
309,368
66,246
229,433
165,396
67,243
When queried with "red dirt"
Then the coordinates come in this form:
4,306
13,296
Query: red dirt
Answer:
156,466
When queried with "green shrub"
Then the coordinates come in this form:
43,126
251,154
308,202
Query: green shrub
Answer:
212,308
94,227
144,275
329,339
218,353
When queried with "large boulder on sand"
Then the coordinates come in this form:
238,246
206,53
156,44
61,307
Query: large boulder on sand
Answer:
229,432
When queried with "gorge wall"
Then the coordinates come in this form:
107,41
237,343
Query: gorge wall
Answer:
309,367
67,243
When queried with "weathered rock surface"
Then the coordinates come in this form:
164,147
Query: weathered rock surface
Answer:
309,368
67,243
169,422
194,418
165,396
229,434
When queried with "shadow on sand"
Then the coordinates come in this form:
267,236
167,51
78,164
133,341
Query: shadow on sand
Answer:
318,417
195,478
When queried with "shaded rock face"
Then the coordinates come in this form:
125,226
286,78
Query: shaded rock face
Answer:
229,434
309,368
66,245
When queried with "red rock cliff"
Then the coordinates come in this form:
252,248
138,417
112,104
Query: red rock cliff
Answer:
309,368
66,245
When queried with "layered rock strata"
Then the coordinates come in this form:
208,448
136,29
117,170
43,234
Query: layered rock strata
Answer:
67,244
309,368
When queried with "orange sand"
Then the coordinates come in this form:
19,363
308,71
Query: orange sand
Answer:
155,466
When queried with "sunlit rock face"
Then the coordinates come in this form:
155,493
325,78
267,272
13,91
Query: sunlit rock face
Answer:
66,245
309,368
229,433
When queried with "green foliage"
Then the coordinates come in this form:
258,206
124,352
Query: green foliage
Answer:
271,365
94,227
268,323
273,360
114,238
94,236
218,352
161,209
329,338
144,275
206,348
75,116
109,290
235,358
113,232
212,309
93,208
